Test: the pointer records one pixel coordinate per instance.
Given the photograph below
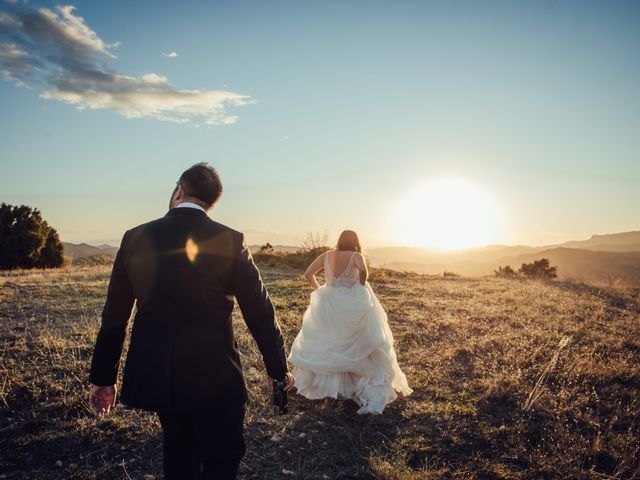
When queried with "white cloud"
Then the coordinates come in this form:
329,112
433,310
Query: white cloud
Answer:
67,26
152,96
56,50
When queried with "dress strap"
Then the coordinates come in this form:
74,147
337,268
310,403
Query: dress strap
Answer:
350,265
326,263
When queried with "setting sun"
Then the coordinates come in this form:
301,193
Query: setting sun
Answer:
447,213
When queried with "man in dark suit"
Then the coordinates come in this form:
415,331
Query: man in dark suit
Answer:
183,272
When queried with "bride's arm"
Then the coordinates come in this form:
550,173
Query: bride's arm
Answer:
362,266
315,267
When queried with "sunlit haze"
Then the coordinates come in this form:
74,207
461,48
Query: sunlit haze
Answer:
447,213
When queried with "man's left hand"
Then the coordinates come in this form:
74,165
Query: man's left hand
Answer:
290,382
102,399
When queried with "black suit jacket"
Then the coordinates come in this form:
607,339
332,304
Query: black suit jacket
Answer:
183,271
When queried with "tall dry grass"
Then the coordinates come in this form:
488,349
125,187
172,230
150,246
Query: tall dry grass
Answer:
499,391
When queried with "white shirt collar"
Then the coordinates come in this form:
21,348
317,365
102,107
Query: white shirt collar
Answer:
190,205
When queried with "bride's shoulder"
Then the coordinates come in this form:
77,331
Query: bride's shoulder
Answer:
326,254
358,257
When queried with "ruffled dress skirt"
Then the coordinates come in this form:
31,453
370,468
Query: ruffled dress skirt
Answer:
345,350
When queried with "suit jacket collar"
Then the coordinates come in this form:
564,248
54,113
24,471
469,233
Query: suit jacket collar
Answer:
186,211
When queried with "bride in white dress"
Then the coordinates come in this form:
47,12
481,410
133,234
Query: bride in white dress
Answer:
345,346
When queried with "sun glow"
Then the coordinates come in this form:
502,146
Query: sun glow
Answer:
447,213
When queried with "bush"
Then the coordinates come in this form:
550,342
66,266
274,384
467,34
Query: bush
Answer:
93,260
27,240
507,272
266,248
312,245
538,269
299,260
315,241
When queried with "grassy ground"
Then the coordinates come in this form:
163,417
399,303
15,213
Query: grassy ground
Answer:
513,379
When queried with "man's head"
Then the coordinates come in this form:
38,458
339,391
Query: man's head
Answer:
199,184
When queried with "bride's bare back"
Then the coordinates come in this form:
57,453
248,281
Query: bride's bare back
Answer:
342,268
339,261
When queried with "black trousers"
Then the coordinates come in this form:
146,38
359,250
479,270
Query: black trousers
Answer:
203,446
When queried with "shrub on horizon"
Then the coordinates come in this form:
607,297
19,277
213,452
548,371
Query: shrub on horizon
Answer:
538,269
266,248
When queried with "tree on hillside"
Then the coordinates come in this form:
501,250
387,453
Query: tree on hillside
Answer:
538,269
27,240
52,254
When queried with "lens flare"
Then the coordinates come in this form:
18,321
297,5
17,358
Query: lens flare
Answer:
192,250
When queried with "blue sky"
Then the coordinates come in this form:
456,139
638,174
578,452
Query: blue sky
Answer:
331,113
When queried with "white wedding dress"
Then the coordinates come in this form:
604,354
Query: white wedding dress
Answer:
345,346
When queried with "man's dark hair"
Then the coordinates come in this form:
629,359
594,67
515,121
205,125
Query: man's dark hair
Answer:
202,182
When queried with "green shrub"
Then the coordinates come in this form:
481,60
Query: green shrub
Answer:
27,240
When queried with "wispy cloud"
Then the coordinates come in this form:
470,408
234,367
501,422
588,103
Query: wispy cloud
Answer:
57,51
170,54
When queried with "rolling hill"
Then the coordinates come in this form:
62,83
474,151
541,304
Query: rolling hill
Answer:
615,242
585,264
602,257
83,253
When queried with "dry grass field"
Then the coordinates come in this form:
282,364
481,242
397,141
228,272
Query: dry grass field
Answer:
513,379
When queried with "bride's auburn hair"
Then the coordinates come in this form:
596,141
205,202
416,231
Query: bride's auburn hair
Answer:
349,242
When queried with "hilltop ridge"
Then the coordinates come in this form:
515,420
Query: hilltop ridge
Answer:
602,257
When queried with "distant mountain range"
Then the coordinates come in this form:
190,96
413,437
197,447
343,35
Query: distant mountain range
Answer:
601,257
613,242
82,253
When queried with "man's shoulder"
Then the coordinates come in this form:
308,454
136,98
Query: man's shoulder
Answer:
226,228
211,225
218,228
132,232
